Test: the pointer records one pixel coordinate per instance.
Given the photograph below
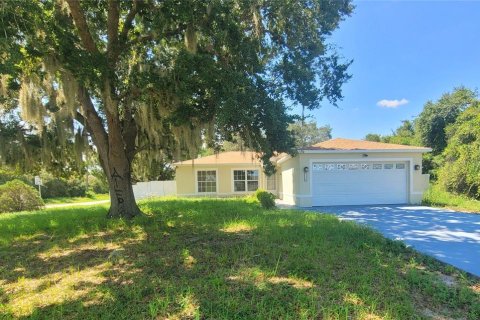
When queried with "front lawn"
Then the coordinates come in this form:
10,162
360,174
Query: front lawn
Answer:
61,200
437,197
217,259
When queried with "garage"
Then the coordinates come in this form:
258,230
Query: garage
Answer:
359,182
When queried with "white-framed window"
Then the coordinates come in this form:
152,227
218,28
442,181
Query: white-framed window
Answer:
388,166
245,180
206,181
353,166
377,166
400,166
329,166
272,182
365,166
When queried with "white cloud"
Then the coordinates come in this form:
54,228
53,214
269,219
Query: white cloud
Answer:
391,103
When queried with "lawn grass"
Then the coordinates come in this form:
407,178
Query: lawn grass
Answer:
61,200
217,259
437,197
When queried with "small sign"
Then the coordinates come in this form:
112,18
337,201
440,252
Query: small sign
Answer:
38,181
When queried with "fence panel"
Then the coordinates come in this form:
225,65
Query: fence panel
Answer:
154,189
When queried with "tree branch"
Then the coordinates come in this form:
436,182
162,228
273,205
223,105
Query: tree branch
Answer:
128,21
81,119
112,30
94,125
82,26
153,36
129,133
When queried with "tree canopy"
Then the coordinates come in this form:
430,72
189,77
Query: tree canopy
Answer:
375,137
431,123
460,169
451,127
167,76
405,134
307,133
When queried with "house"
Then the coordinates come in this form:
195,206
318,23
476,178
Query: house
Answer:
334,172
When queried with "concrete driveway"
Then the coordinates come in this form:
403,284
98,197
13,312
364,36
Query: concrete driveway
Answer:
447,235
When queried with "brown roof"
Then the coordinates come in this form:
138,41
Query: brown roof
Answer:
251,157
348,144
229,157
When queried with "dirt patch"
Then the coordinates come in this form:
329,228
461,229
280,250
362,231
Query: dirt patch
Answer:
437,316
449,281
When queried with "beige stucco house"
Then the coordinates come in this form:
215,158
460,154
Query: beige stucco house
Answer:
334,172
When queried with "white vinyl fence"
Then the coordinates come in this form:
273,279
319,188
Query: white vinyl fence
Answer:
154,189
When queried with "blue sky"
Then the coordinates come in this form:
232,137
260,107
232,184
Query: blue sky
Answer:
402,50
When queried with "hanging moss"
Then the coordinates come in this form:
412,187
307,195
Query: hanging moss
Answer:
30,97
191,39
4,79
67,97
79,146
257,21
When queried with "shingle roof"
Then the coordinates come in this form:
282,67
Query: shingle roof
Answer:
251,157
229,157
348,144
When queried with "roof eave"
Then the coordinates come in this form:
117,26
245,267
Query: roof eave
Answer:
178,164
423,150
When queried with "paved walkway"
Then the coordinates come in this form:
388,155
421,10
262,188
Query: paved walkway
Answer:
449,236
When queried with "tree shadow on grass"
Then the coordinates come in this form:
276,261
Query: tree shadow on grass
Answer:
213,259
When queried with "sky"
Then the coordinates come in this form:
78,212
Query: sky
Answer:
404,54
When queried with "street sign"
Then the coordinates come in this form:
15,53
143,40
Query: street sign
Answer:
38,182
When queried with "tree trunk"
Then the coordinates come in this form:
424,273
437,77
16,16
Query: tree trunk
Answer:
114,158
122,199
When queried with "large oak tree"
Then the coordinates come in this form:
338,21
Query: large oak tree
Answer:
163,77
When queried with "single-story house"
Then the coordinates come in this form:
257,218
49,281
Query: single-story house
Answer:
333,172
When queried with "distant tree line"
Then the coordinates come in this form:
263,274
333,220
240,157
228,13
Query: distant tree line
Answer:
451,127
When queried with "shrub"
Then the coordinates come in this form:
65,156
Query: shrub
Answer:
16,195
59,187
266,199
55,188
98,185
8,175
76,188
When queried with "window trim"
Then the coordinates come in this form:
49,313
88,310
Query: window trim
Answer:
232,179
196,180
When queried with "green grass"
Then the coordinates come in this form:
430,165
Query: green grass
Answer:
60,200
437,197
216,259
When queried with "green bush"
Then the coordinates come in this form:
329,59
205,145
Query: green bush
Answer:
266,199
460,172
97,184
55,188
59,187
16,195
76,188
8,175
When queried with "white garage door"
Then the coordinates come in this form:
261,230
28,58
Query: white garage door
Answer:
351,183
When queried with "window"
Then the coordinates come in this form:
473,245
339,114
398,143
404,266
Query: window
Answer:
400,166
353,166
245,180
377,166
271,182
388,166
329,166
365,166
207,181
